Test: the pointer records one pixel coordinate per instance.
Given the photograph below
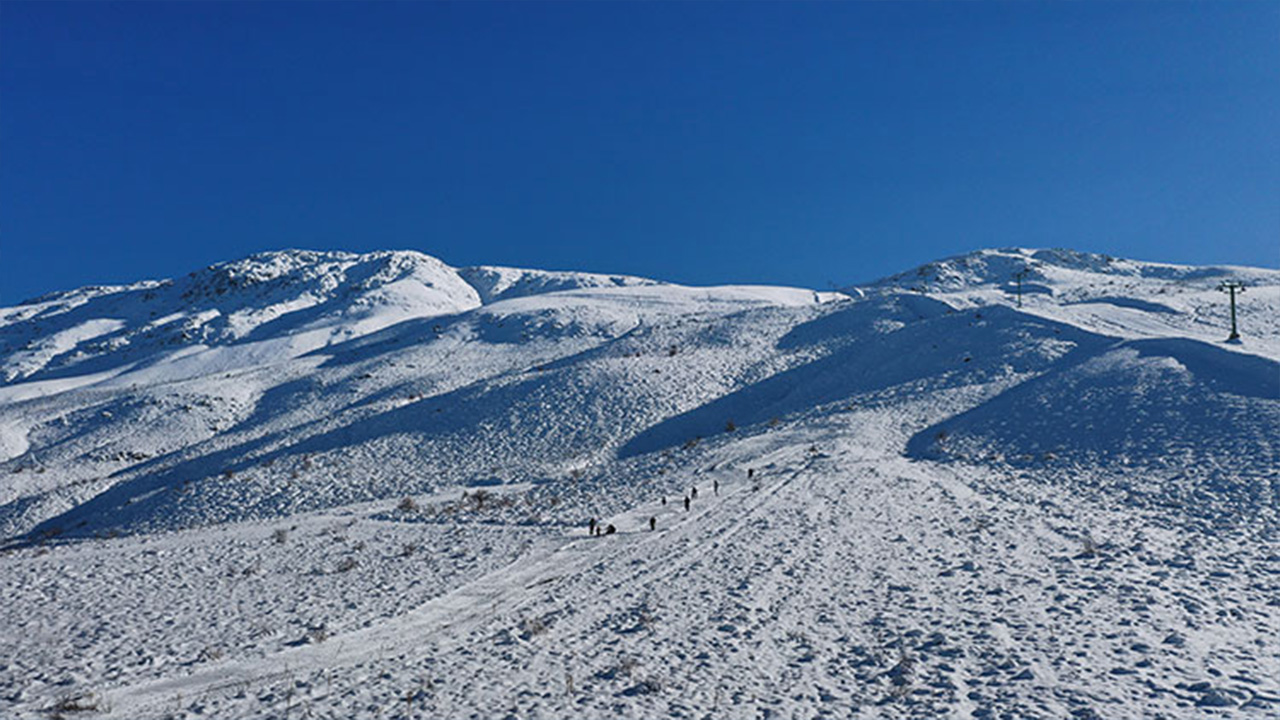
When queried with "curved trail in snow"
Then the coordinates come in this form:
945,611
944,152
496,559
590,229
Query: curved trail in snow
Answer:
447,622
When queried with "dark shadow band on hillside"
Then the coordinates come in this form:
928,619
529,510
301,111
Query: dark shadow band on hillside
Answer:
860,317
945,347
1104,416
153,484
124,504
417,330
1223,370
1127,302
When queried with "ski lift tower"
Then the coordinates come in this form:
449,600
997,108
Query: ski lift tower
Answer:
1232,287
1018,277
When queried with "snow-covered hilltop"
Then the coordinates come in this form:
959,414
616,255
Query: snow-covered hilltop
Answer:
1027,482
311,298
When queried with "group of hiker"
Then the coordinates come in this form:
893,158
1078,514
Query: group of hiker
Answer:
595,528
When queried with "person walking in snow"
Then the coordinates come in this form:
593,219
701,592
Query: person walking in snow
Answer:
686,503
653,524
591,528
695,492
715,486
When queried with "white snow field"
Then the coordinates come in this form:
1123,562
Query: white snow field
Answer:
328,485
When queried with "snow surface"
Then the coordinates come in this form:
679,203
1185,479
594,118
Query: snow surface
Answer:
321,484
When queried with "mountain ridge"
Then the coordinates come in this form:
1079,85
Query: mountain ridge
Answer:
935,494
314,319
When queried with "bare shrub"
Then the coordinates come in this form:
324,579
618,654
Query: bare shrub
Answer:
532,627
645,618
1089,547
900,675
76,703
348,564
318,634
647,686
210,653
280,536
627,665
407,505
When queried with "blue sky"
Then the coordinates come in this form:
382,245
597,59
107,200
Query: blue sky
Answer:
788,143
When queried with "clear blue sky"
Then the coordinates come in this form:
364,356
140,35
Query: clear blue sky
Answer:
790,143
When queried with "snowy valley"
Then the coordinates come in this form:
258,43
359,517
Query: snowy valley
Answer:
1016,483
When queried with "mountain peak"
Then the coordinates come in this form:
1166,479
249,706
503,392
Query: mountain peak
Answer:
306,294
1000,268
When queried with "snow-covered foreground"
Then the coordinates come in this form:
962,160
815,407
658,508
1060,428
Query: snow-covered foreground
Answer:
908,504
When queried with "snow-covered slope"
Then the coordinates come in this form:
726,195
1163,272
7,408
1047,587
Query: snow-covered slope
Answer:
268,307
359,485
1116,297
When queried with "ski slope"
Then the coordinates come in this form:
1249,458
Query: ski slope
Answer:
337,485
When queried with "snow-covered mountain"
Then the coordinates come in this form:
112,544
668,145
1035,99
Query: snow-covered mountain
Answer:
269,307
1026,482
